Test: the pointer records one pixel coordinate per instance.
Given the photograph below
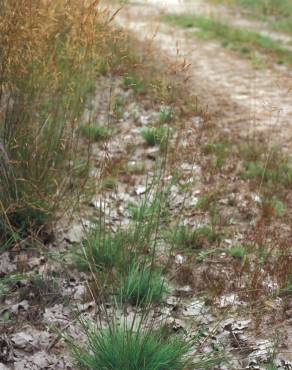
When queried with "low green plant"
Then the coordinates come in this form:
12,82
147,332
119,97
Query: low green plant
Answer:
122,348
165,116
271,366
155,135
204,202
272,206
219,150
202,255
94,133
142,286
109,183
208,233
118,108
148,210
287,289
186,238
101,249
135,83
238,252
269,172
81,168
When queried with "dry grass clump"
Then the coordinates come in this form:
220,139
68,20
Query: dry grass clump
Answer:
50,52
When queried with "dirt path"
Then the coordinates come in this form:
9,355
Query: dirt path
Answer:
231,15
237,94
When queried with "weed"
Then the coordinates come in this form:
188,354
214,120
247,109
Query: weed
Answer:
270,172
135,83
156,135
184,237
123,348
252,151
238,252
286,290
219,151
101,249
95,133
142,286
271,366
202,255
118,108
165,115
109,183
81,168
204,202
272,207
148,210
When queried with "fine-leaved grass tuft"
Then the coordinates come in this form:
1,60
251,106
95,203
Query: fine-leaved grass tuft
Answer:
238,252
120,348
94,133
186,238
101,250
142,286
155,135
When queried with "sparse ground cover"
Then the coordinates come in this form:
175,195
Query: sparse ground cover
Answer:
247,43
277,13
172,261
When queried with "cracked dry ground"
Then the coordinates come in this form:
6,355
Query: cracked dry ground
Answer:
210,289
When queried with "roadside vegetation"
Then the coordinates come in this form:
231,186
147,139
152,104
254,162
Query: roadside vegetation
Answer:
277,13
249,44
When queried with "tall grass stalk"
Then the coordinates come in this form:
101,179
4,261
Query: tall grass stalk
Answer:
50,52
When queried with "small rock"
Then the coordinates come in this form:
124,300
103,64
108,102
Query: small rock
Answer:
179,259
140,190
75,234
6,266
24,341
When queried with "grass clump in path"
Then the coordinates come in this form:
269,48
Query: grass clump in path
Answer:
142,286
94,133
120,348
241,40
155,135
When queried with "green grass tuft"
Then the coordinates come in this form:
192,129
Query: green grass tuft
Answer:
165,115
238,252
155,135
277,173
135,83
119,348
186,238
142,286
102,250
95,133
